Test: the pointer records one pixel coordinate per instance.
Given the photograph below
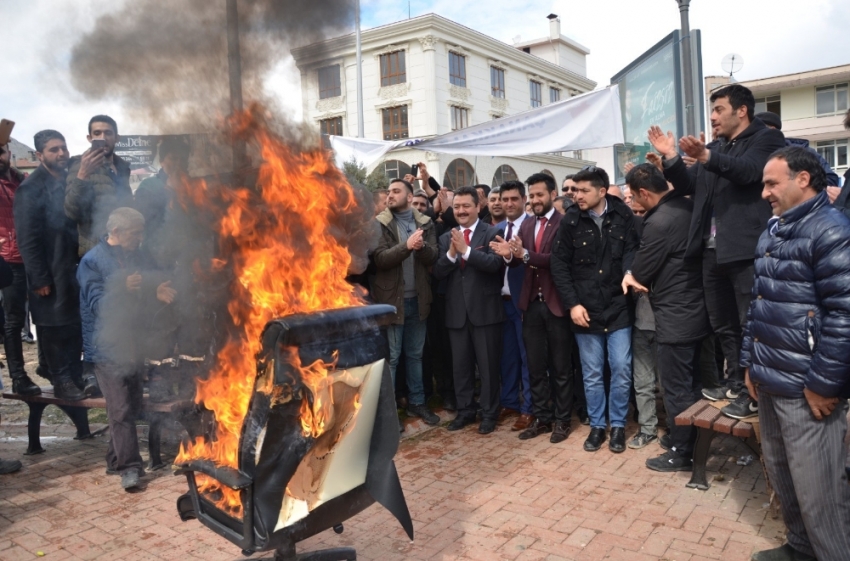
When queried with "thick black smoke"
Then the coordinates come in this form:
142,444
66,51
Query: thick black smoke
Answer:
166,60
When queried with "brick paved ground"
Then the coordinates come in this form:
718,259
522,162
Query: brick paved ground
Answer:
472,497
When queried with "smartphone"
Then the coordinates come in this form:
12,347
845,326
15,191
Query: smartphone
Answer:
414,170
98,144
6,127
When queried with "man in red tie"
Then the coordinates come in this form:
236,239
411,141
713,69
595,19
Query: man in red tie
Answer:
474,312
545,327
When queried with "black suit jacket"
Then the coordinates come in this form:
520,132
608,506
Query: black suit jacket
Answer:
474,291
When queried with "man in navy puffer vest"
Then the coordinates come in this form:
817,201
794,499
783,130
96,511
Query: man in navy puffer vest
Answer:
796,352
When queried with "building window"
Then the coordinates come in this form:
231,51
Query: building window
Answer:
832,99
330,127
395,122
834,152
460,173
457,69
554,95
395,169
393,70
770,103
536,93
329,84
497,82
503,173
460,118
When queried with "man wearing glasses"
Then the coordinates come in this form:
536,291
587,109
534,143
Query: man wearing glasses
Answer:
568,189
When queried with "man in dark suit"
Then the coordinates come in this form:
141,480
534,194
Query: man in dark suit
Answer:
474,314
516,386
545,327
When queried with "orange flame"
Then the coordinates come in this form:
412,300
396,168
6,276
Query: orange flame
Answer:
285,241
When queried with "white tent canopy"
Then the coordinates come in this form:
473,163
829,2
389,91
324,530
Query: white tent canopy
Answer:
591,120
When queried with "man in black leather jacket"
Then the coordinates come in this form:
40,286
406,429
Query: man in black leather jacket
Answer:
729,215
796,352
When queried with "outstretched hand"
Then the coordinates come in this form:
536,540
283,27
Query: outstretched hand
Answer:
695,147
665,144
500,247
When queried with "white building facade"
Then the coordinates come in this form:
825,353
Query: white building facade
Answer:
811,104
427,76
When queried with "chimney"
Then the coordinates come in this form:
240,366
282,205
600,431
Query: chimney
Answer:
554,26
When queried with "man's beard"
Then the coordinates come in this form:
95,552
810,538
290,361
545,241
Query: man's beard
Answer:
57,167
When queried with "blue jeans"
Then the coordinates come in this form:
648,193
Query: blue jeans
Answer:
516,384
592,351
409,336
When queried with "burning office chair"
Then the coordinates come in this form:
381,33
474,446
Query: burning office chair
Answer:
294,485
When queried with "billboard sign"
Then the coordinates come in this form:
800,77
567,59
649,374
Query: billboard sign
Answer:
652,93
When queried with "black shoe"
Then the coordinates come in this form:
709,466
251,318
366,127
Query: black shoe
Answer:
461,421
784,553
594,440
640,440
742,408
24,386
560,432
535,429
90,387
130,480
9,466
423,413
66,389
449,403
617,444
670,461
666,442
487,426
718,394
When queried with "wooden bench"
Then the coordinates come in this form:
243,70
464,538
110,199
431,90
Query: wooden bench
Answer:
710,421
155,412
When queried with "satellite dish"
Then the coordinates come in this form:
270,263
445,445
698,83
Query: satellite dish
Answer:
517,39
732,63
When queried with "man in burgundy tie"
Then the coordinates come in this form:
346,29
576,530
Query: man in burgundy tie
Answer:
474,314
545,327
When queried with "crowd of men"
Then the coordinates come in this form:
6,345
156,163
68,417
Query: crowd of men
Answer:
72,250
731,256
517,301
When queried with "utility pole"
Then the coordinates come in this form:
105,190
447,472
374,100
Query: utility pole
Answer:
690,108
360,124
234,63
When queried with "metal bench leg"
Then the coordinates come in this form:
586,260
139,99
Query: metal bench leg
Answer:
34,428
80,417
155,439
701,449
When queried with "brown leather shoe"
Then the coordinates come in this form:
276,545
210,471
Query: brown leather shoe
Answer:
523,422
560,432
507,412
535,429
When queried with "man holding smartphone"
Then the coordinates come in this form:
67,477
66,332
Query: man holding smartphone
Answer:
98,182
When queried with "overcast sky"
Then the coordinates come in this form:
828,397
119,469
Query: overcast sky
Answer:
773,37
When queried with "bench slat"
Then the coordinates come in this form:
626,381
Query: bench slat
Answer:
49,398
686,417
742,429
706,418
724,424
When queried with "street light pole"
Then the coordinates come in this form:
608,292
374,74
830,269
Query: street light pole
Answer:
234,63
690,108
360,125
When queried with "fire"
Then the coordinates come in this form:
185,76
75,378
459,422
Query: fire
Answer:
318,416
285,241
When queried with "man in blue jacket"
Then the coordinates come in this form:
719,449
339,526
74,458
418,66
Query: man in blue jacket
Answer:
796,353
117,283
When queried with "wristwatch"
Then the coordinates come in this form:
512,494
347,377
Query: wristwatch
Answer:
628,273
526,256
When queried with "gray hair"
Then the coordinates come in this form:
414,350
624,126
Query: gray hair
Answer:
124,218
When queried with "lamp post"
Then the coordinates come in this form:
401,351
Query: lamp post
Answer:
690,109
360,125
234,63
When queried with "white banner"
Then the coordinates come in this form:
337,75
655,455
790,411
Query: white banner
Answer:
591,120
